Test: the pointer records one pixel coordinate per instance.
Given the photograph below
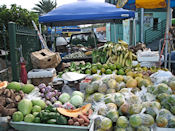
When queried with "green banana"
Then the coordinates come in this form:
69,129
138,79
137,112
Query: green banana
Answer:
118,59
127,62
130,55
121,57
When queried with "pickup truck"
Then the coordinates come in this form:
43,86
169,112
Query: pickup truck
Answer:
88,40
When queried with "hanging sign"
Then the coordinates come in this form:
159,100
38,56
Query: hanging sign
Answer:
121,3
150,4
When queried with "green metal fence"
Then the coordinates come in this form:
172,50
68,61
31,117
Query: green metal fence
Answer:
28,39
4,69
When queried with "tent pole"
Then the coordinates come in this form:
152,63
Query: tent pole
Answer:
134,24
54,44
142,25
115,33
166,33
170,42
110,32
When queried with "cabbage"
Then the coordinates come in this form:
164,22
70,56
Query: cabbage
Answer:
25,106
17,116
76,100
29,118
36,109
78,93
65,97
40,103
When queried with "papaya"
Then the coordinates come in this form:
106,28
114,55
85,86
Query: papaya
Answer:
150,111
143,82
124,108
135,120
172,85
111,106
147,120
135,109
172,110
113,115
162,121
120,129
171,122
122,122
131,83
143,128
3,84
164,113
74,113
88,53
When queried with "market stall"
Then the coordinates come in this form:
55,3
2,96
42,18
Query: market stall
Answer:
85,12
113,93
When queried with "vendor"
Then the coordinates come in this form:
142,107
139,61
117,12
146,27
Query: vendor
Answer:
172,59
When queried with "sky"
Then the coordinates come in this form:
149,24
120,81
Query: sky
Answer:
29,4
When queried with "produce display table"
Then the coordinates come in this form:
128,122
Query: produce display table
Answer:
23,126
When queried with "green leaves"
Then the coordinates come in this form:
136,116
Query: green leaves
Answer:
18,15
44,6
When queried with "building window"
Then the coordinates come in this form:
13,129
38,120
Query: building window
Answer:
155,23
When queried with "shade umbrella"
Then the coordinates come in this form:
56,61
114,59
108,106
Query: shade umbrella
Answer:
131,4
85,12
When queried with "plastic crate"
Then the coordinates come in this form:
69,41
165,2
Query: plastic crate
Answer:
23,126
164,129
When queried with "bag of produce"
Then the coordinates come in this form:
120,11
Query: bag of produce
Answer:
102,123
141,120
165,119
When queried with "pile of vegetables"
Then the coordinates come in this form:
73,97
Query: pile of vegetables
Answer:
36,111
115,53
75,55
76,100
26,88
105,69
9,99
49,94
10,95
80,68
131,102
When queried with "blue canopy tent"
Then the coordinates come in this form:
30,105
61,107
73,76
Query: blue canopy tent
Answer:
84,12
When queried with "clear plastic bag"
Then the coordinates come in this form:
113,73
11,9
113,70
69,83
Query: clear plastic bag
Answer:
102,123
165,119
161,76
34,95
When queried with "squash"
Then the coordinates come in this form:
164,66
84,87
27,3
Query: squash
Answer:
76,112
3,84
88,53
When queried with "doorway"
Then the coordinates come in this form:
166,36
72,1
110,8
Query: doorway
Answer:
155,23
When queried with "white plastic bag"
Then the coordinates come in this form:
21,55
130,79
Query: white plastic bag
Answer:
161,76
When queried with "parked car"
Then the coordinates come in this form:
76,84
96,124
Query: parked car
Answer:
87,39
61,44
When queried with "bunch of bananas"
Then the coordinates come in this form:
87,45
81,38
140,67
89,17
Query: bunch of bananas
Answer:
119,53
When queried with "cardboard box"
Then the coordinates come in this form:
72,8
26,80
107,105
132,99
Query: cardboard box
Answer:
39,76
45,59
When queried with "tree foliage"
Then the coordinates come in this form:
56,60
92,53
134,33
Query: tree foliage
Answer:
18,15
44,6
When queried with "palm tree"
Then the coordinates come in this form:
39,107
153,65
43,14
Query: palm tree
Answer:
44,6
